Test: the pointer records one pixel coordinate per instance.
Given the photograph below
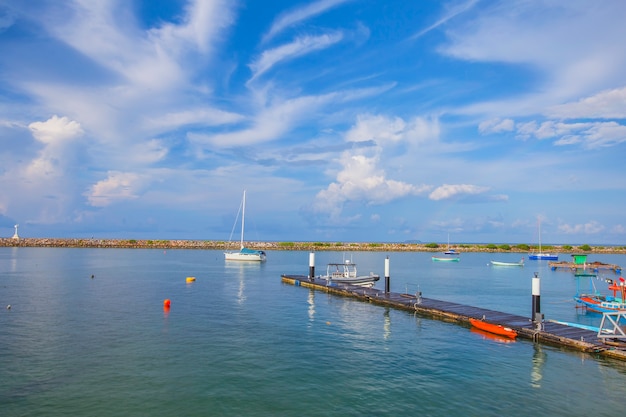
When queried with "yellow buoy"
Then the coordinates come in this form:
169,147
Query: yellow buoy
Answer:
190,279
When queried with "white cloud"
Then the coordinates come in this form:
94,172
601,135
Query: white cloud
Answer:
388,130
56,134
118,186
55,130
299,47
581,50
449,191
496,126
360,178
591,228
610,104
453,11
270,122
591,135
198,117
300,14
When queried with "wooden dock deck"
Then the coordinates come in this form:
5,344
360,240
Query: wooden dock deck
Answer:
550,333
591,266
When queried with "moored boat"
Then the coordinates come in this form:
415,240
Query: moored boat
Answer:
346,273
245,254
500,263
446,258
595,302
493,328
542,256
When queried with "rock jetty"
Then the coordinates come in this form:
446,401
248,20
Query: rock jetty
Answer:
295,246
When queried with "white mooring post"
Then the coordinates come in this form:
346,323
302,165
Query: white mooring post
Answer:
537,317
311,265
387,274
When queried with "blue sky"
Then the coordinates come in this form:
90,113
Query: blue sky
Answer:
345,120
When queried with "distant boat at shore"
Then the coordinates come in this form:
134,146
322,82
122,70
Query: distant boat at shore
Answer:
541,255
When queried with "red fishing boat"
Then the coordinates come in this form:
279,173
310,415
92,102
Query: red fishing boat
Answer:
493,328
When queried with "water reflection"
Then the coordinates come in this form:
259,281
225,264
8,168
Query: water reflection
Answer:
311,301
386,325
240,270
536,374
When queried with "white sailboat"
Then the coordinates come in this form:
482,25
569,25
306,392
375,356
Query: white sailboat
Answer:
541,255
245,254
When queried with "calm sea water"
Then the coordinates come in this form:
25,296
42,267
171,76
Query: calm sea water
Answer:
238,342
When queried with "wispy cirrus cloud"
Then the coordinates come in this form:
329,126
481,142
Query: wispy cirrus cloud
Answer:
452,11
300,14
608,104
300,46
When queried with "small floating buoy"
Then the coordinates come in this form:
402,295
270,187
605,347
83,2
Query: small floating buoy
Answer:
190,279
9,307
328,323
166,304
92,276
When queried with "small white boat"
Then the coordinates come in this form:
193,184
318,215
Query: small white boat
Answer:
499,263
245,254
346,273
446,259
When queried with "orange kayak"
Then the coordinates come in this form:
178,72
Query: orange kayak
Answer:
493,328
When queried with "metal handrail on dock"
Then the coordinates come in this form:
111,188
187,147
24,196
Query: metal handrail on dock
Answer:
612,326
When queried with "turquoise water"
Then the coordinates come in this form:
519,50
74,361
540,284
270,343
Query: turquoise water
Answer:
238,342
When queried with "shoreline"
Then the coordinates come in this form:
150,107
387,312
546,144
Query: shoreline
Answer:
299,246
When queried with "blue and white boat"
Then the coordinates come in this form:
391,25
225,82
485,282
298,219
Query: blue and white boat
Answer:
538,256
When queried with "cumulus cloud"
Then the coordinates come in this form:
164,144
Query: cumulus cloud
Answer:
118,186
449,191
388,130
361,179
56,134
591,228
591,134
55,130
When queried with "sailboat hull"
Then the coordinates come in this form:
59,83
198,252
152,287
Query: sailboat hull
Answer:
543,256
252,256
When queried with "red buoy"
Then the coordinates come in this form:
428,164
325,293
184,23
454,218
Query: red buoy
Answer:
166,303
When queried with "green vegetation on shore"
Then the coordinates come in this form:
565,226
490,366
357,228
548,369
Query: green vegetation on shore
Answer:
300,246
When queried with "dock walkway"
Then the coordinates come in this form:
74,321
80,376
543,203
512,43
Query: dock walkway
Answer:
550,333
591,266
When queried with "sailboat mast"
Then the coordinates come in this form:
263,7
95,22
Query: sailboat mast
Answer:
243,216
539,223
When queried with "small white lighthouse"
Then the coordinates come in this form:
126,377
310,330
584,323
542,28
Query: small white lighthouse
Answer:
15,235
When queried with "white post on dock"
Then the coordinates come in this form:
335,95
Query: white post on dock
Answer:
311,265
387,274
537,317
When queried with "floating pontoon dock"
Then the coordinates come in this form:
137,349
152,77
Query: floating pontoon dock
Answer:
547,332
579,262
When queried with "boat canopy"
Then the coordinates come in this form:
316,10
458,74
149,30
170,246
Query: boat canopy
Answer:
250,251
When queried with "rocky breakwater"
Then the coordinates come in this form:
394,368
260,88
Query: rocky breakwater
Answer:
293,246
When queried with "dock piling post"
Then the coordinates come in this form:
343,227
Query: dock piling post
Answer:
387,274
312,266
537,317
